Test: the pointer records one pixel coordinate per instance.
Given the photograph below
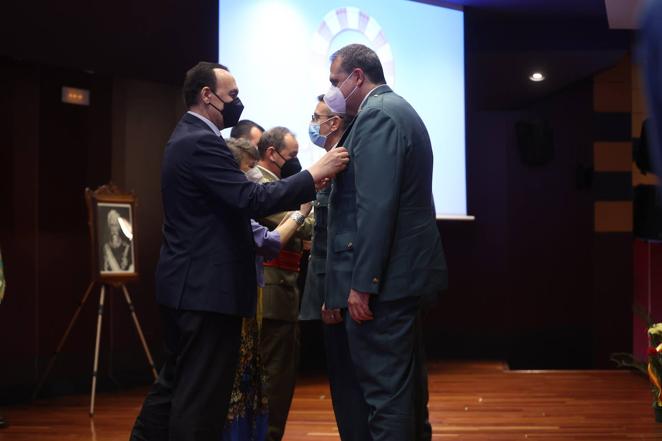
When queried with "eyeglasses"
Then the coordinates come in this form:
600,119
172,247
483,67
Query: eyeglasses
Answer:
315,117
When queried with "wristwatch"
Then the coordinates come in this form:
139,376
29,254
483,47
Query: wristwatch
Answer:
298,217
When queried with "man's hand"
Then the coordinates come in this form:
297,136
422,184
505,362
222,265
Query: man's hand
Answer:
358,306
306,208
332,163
331,316
321,185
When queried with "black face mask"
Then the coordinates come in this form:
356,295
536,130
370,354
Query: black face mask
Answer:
231,111
290,168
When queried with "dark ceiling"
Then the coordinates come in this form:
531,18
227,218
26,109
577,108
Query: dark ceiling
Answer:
508,39
159,40
145,39
576,9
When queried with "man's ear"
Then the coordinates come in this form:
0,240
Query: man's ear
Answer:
360,77
336,122
205,94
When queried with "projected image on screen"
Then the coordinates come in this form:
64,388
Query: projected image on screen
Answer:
279,51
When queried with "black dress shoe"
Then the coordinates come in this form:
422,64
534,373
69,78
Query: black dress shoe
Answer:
3,423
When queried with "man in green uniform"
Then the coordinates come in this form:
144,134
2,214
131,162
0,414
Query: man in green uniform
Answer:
385,254
279,335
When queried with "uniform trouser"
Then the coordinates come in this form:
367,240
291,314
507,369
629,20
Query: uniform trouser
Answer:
388,360
189,401
349,406
279,350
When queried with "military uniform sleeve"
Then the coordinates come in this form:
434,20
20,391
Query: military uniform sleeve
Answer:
304,232
273,220
378,152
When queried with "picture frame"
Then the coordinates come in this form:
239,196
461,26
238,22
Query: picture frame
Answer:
113,234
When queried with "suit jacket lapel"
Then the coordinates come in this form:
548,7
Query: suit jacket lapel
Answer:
344,135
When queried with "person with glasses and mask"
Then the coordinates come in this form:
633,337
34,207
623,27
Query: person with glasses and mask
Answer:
205,276
279,335
326,128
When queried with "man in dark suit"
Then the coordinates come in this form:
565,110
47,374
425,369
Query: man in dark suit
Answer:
205,277
385,254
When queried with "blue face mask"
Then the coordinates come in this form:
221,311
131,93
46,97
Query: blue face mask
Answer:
314,132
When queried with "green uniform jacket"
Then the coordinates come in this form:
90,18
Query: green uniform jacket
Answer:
383,237
313,293
280,296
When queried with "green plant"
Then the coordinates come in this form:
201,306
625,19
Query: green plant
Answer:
655,361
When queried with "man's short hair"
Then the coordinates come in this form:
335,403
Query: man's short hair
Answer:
199,76
362,57
344,118
243,129
273,137
242,148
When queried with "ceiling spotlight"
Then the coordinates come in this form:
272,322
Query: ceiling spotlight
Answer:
537,77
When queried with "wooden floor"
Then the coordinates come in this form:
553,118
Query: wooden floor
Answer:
468,401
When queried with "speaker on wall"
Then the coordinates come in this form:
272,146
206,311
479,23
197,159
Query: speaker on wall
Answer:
641,153
535,142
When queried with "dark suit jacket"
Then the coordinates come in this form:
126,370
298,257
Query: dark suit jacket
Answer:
207,260
383,237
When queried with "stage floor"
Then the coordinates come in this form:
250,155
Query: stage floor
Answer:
468,401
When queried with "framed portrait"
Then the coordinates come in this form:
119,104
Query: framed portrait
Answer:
111,218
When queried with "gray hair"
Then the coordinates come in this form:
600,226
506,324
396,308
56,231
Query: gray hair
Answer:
242,148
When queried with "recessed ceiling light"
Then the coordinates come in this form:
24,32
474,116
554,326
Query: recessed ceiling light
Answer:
537,77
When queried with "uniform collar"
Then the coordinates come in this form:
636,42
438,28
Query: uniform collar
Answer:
382,88
268,174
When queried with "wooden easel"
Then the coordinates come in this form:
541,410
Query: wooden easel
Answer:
102,296
108,195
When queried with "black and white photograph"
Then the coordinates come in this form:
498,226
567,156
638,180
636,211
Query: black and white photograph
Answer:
115,238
